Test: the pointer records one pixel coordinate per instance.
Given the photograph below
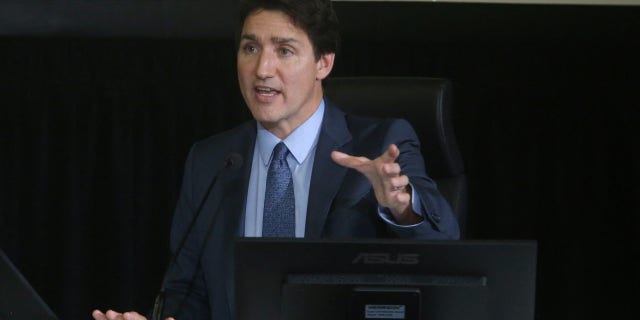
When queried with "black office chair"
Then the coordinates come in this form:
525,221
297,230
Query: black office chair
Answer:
426,104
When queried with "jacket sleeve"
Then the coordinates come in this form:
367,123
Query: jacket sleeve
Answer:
439,222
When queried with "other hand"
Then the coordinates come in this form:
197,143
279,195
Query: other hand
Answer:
113,315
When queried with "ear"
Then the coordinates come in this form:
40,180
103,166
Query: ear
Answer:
324,65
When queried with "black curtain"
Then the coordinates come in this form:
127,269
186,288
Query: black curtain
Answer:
94,136
94,132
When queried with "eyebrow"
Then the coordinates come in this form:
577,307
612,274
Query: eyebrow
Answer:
283,40
278,40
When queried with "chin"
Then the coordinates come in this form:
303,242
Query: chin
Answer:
264,117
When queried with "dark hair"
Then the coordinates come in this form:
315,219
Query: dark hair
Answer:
315,17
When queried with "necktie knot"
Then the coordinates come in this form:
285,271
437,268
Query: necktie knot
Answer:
280,152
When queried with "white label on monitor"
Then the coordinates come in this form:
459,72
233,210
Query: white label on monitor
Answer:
384,311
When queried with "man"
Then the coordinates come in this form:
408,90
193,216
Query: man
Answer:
286,48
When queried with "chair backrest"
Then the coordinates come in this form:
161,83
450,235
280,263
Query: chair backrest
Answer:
426,104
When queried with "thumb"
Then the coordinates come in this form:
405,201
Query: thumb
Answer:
345,160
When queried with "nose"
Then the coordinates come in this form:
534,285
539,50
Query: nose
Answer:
266,65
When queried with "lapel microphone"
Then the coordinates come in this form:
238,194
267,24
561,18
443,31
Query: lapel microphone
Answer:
231,161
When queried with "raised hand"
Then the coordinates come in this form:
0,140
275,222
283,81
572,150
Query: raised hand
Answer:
392,190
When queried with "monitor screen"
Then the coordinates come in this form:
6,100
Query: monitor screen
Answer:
18,300
384,279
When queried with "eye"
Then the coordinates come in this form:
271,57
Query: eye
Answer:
250,49
285,52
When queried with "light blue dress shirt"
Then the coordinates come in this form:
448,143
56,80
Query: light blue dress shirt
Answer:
300,159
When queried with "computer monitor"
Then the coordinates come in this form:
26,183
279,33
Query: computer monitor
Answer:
18,300
286,279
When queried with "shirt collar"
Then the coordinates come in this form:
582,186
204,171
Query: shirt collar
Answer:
297,142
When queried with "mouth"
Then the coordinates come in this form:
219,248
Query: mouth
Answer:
266,91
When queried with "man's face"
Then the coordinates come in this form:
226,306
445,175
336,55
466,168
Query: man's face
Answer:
279,76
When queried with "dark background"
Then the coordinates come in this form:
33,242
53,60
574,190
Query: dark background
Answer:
101,100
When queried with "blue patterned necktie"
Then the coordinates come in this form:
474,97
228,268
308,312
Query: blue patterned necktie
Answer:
279,203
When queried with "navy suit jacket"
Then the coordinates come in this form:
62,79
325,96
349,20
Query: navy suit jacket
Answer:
341,204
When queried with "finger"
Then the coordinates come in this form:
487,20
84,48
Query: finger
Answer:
112,315
402,198
398,203
98,315
398,183
132,315
391,154
391,169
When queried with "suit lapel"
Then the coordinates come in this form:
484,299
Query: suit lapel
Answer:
334,135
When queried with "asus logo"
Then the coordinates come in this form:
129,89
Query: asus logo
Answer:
386,258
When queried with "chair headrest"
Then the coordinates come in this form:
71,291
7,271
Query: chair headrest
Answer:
424,102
